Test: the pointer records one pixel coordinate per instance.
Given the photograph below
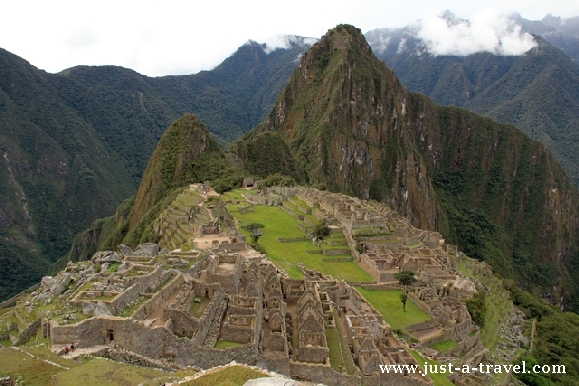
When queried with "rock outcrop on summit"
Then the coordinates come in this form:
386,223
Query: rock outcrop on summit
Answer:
349,125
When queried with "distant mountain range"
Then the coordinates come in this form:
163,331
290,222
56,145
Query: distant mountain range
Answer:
537,92
345,122
75,144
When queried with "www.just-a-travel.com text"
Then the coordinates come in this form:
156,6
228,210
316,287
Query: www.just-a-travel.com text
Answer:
450,368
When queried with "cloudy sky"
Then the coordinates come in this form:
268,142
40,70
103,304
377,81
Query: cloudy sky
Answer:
182,37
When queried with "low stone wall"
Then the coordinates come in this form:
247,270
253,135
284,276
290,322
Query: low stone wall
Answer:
155,302
286,207
315,252
422,305
126,356
338,259
440,337
291,240
421,326
232,246
337,251
24,335
361,283
337,242
321,374
380,287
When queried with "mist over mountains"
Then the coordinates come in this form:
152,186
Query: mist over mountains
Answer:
535,89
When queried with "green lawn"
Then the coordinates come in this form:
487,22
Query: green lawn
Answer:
287,255
438,379
30,371
227,344
230,376
197,308
445,346
389,305
335,350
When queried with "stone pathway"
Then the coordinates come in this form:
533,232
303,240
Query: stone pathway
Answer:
86,351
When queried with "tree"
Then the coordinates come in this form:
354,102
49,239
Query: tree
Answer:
321,231
405,278
254,231
403,299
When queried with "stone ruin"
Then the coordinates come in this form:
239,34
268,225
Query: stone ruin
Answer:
162,312
172,309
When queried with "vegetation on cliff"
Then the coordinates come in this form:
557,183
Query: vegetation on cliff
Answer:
486,186
537,92
186,154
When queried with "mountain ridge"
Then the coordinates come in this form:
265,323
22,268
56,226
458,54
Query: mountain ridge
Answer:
350,124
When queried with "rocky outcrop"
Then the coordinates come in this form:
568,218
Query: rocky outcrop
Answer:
353,128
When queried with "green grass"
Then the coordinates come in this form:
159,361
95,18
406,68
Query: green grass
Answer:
346,354
197,308
230,376
335,350
438,379
129,311
390,307
288,255
31,371
226,344
445,346
98,371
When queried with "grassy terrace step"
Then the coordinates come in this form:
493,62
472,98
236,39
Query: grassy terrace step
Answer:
389,305
346,354
287,255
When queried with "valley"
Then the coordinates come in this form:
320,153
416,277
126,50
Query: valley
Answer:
349,181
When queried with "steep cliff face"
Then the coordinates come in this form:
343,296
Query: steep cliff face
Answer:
186,154
487,186
343,115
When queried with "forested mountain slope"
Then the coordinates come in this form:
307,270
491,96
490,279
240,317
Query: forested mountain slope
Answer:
345,121
75,144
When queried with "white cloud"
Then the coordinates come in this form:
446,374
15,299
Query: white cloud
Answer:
286,41
486,31
80,37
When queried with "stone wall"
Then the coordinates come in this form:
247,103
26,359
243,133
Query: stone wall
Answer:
322,374
87,333
422,305
183,323
289,211
291,240
160,296
232,246
338,259
24,335
345,251
421,326
238,333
